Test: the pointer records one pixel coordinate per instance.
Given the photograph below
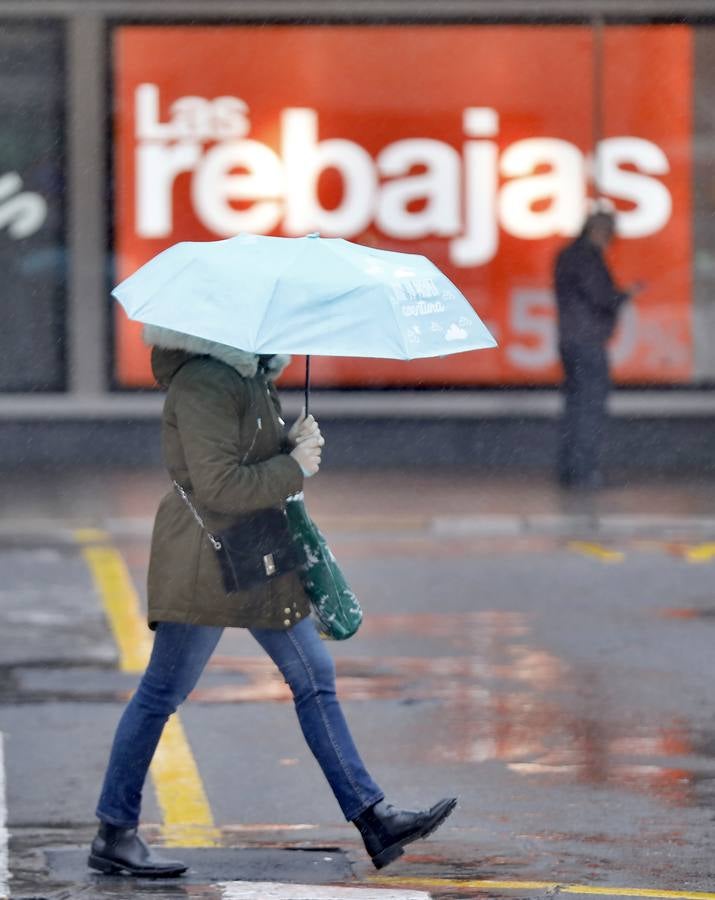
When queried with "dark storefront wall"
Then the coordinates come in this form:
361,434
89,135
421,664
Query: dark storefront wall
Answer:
32,202
40,423
35,259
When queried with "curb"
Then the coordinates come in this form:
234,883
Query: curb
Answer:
568,525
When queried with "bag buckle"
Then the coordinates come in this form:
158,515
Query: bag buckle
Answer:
269,564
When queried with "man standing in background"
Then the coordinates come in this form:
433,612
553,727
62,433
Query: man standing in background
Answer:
588,302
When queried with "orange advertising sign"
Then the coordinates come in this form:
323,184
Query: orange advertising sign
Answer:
469,144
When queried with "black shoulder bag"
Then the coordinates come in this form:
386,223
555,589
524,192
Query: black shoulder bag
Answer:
256,548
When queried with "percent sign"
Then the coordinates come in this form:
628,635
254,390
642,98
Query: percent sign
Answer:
21,212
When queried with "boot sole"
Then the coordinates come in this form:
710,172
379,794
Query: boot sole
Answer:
394,851
108,867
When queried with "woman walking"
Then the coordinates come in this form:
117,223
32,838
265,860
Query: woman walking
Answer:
228,455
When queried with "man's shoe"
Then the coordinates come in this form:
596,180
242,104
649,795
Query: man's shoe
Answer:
115,850
386,829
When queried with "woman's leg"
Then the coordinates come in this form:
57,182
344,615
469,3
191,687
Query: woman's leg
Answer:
308,669
178,658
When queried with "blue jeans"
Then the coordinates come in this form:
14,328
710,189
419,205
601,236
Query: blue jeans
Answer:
178,658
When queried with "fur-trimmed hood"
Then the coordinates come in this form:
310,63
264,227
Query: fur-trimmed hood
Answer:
184,345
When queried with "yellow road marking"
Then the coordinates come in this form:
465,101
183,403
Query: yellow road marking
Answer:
485,884
597,551
179,790
119,598
701,553
91,536
187,818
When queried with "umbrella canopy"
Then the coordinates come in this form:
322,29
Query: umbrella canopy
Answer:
309,295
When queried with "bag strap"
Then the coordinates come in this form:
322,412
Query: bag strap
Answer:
185,497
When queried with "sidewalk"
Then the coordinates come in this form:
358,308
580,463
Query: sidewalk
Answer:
462,503
442,503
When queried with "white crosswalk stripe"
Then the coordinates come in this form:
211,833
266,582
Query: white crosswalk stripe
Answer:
4,875
268,890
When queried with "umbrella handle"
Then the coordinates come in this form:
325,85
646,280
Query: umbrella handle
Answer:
307,384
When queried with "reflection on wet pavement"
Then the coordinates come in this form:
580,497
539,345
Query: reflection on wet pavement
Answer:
500,699
689,613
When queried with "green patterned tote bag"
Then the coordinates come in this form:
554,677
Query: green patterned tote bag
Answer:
336,607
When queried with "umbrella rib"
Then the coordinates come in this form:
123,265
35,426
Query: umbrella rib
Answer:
147,301
405,351
270,299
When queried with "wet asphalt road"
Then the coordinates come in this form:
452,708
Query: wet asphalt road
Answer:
548,659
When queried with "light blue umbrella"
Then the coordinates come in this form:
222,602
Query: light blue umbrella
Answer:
310,295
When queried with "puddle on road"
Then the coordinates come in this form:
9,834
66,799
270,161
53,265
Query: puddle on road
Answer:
704,612
493,696
506,700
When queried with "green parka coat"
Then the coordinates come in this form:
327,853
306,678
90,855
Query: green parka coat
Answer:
224,442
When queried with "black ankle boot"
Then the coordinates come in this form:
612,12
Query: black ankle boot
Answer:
385,829
116,850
